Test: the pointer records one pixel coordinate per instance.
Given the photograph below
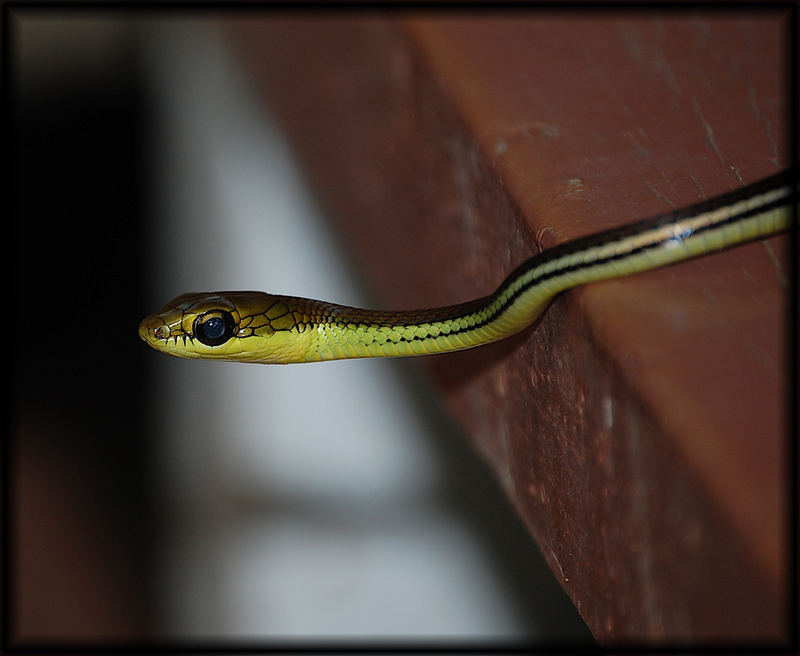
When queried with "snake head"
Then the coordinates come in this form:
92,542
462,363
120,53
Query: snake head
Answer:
192,325
242,326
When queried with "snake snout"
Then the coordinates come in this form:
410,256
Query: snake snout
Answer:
153,328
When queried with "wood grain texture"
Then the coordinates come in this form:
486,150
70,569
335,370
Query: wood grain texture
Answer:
640,427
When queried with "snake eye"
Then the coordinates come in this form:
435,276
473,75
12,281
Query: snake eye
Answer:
214,328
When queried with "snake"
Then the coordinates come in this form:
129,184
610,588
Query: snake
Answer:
252,326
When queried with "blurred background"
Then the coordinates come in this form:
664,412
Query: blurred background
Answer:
148,498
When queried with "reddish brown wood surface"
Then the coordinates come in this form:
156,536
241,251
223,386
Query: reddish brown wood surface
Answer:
640,427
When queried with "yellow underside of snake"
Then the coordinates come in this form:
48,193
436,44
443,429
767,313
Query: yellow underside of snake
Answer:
268,328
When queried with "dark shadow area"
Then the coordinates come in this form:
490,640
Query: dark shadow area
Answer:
78,530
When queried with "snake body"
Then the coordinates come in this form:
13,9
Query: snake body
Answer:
268,328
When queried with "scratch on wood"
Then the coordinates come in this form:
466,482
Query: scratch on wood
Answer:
703,30
751,96
660,61
699,187
782,279
533,130
643,152
632,44
540,237
657,59
608,412
709,132
746,273
699,74
738,175
548,130
640,149
572,188
658,194
773,145
558,564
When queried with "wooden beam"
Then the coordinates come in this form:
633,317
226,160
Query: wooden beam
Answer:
640,428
